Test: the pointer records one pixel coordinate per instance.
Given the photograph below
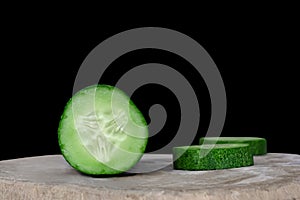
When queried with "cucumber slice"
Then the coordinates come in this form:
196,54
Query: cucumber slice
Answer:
101,131
257,145
218,156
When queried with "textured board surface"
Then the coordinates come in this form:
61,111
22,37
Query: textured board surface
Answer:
273,176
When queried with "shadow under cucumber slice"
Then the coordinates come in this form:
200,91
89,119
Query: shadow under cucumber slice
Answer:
210,157
257,145
101,131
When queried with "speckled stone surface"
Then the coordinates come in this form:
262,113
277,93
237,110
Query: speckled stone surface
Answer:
273,176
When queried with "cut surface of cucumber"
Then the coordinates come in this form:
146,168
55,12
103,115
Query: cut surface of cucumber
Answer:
101,131
218,156
258,146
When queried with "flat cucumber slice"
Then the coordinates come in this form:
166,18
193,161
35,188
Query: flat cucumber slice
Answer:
101,131
257,145
218,156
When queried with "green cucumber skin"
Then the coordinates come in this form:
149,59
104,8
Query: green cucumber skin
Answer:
257,145
77,155
189,159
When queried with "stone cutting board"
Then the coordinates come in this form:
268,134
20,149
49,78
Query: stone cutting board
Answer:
273,176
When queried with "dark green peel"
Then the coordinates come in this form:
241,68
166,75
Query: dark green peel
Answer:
258,146
210,157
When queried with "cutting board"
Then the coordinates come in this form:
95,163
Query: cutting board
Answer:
273,176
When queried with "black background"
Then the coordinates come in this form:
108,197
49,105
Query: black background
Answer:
257,58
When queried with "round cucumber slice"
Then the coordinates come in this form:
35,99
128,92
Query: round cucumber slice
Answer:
258,146
218,156
101,131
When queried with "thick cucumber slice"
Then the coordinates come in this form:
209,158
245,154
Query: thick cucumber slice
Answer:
101,131
257,145
218,156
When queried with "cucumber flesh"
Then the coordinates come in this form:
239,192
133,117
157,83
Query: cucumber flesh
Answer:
257,145
101,131
218,156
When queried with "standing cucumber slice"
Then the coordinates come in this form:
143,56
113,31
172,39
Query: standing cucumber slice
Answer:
101,131
208,156
257,145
